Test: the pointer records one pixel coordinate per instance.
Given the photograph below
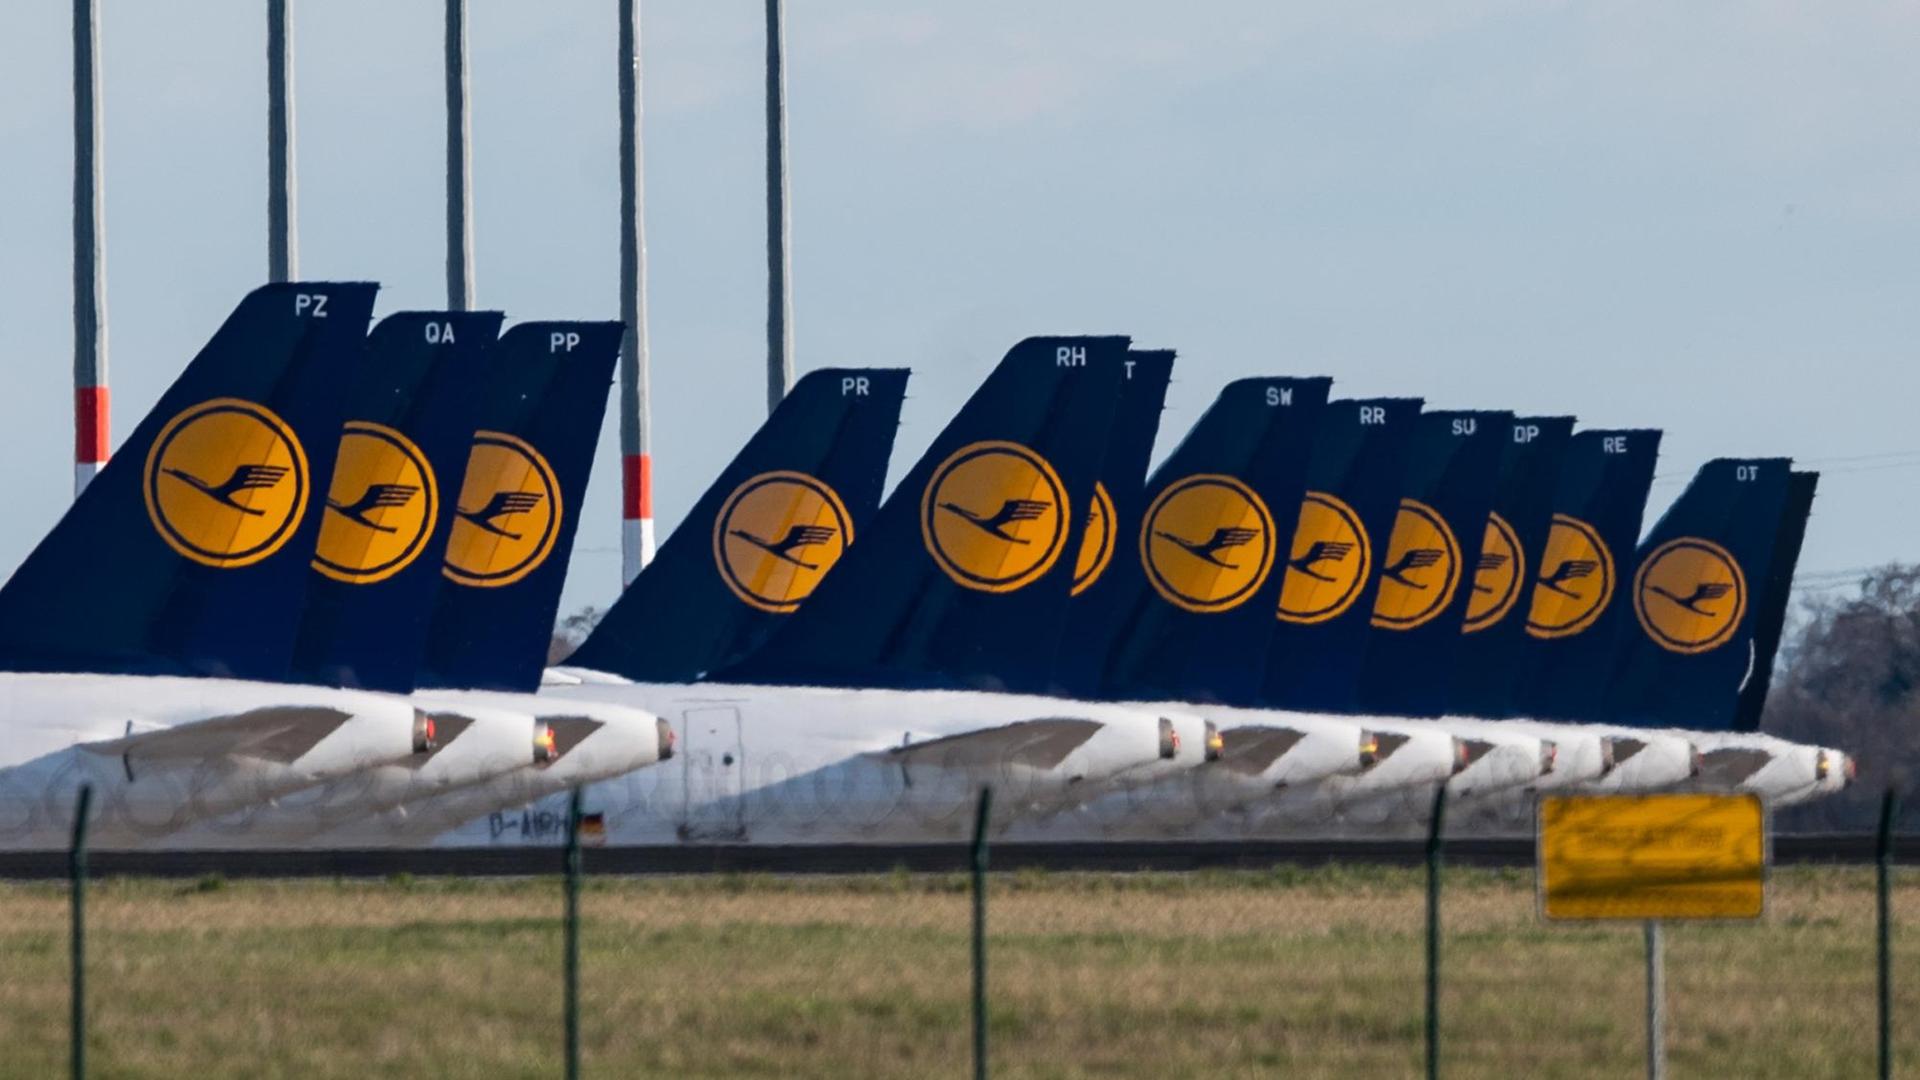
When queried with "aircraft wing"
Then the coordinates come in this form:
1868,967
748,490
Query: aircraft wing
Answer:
1037,744
277,733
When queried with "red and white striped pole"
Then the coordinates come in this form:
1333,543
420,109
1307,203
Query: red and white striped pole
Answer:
90,416
636,441
90,432
636,524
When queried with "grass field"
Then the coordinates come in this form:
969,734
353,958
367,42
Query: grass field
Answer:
1294,972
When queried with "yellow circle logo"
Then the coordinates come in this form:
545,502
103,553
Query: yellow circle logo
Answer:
1207,543
1330,559
1497,576
1096,544
508,515
1421,570
994,516
1690,595
776,536
381,506
226,483
1575,581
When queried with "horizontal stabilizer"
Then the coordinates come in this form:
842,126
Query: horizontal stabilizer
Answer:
1251,750
570,731
1725,768
277,733
1036,744
1624,747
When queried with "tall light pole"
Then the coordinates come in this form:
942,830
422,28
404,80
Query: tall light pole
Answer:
779,288
90,403
459,164
636,440
283,257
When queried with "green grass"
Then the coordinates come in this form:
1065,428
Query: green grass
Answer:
1296,972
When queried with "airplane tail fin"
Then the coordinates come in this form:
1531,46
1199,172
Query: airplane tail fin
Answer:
518,505
1493,626
187,554
1578,594
1112,516
963,577
1427,576
1770,613
1691,645
763,536
1195,584
384,518
1352,497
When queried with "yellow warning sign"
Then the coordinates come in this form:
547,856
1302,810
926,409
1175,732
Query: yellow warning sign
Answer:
1644,857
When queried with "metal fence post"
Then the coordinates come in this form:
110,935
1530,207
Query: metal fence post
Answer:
572,972
77,876
1883,859
1435,823
980,933
1656,1002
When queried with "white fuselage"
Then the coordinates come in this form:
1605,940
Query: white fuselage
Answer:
621,740
1262,751
489,741
1786,772
795,764
776,765
162,752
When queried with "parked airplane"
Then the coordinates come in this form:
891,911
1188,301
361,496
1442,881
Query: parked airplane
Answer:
834,726
817,463
140,655
411,472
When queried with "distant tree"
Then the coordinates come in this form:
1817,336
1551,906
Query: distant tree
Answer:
1849,678
572,631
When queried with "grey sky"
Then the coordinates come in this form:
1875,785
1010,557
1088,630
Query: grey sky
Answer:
1700,217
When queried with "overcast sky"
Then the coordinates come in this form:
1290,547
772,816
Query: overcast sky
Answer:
1700,217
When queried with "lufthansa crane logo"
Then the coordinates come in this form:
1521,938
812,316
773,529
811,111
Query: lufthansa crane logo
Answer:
1329,562
994,516
1690,595
776,536
1497,575
381,506
1574,580
1421,570
1207,543
226,483
508,514
1096,544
